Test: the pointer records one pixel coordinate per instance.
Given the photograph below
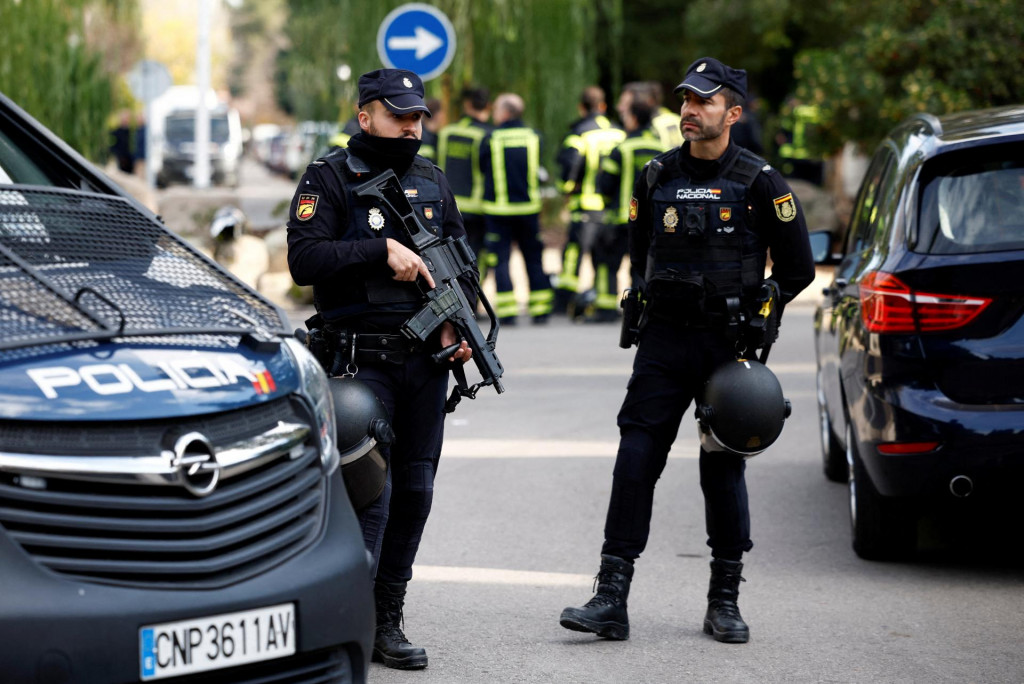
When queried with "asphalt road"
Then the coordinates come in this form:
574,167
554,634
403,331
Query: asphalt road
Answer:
516,530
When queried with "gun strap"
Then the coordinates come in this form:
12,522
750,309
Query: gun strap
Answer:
461,389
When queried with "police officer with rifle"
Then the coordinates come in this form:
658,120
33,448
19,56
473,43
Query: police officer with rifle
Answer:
701,220
375,230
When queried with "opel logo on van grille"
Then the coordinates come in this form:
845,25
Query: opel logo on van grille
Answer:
196,464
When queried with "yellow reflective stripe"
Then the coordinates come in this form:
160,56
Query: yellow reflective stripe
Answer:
541,302
599,143
339,139
629,148
505,304
568,280
509,138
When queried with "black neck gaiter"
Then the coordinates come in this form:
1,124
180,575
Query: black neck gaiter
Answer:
385,153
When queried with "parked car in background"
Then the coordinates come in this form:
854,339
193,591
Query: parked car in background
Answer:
179,147
920,336
171,503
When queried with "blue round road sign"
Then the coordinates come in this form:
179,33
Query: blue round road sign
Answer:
417,37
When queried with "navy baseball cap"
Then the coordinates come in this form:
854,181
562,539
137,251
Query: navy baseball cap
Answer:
707,76
399,90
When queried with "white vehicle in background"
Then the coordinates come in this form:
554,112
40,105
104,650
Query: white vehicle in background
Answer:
174,120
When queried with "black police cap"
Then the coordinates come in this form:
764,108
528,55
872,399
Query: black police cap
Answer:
707,76
399,90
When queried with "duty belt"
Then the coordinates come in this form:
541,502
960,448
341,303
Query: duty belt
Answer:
373,347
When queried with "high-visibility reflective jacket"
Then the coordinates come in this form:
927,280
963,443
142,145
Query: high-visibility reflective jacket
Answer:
510,158
458,155
590,140
666,125
620,169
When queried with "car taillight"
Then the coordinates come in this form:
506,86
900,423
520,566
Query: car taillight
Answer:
901,448
888,305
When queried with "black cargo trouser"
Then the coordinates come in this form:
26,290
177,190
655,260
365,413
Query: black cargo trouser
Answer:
671,365
413,393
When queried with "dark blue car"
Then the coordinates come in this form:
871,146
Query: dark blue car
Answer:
171,505
920,336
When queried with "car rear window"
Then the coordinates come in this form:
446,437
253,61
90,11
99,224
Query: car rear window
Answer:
973,201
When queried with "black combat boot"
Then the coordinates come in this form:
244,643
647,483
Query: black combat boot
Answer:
605,614
723,620
389,644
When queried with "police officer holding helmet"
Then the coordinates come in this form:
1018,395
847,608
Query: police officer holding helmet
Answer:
366,283
702,217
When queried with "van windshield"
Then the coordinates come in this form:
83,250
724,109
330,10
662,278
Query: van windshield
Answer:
182,128
973,203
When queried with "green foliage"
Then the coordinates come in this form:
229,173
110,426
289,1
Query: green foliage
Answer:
935,56
47,67
545,50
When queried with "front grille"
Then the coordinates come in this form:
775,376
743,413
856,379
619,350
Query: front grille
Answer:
140,534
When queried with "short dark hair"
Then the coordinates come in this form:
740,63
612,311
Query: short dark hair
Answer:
732,98
642,111
592,98
476,96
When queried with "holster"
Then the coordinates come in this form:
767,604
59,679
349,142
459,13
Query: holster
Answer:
632,310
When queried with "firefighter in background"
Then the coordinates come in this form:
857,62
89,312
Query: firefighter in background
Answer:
590,140
510,158
458,155
664,122
431,127
618,175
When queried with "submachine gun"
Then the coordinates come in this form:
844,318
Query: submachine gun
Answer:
446,259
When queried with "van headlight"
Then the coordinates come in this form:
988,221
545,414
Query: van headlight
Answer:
313,386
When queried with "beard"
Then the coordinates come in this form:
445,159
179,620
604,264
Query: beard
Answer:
707,131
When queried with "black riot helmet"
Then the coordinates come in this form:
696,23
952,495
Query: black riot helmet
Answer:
363,428
743,409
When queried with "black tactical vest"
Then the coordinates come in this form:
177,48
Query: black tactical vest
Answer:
703,250
375,290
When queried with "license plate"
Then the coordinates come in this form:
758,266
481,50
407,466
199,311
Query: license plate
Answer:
210,643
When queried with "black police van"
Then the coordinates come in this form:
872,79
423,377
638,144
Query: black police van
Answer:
171,505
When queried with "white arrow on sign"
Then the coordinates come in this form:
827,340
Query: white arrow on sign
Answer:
424,42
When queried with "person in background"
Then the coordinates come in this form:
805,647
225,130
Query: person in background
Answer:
458,155
590,139
433,124
619,172
510,158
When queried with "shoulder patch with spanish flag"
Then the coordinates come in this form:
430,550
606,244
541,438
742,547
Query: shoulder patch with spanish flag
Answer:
632,208
785,207
306,207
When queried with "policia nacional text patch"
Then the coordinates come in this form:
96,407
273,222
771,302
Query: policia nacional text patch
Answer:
785,207
307,207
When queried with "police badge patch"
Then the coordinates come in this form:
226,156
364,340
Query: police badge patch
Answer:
785,207
632,208
375,219
306,207
670,220
725,213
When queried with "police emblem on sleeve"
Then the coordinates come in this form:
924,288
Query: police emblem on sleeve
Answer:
725,213
785,207
632,209
375,219
670,220
306,207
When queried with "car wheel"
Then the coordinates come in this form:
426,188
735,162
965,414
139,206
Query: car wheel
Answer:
883,528
833,455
